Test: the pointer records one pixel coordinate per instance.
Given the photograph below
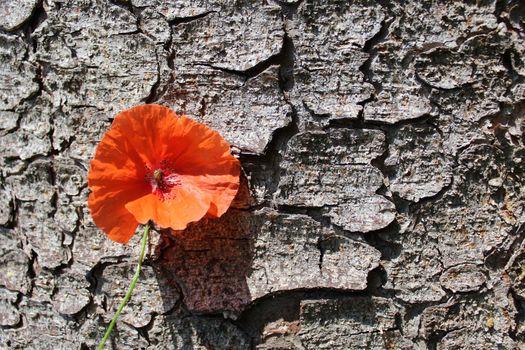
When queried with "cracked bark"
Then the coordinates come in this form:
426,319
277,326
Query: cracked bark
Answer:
381,202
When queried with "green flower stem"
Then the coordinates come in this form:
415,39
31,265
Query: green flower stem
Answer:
130,289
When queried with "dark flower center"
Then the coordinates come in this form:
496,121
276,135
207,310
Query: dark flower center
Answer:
163,179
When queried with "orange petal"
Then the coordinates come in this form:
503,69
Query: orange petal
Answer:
221,188
116,177
148,127
111,216
206,161
147,136
199,149
186,205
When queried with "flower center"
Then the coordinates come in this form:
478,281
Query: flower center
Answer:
163,179
158,175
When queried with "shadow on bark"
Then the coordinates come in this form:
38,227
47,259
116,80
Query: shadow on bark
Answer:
210,261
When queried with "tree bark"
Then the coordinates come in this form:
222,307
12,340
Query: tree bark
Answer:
382,195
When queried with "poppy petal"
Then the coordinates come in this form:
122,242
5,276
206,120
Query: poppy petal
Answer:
148,127
110,215
221,188
206,158
204,152
153,165
116,177
187,205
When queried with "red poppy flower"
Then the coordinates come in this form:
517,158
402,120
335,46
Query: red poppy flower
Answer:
155,165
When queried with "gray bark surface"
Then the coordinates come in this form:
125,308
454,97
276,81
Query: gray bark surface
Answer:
382,200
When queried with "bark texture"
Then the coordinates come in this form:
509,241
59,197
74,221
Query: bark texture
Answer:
383,188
